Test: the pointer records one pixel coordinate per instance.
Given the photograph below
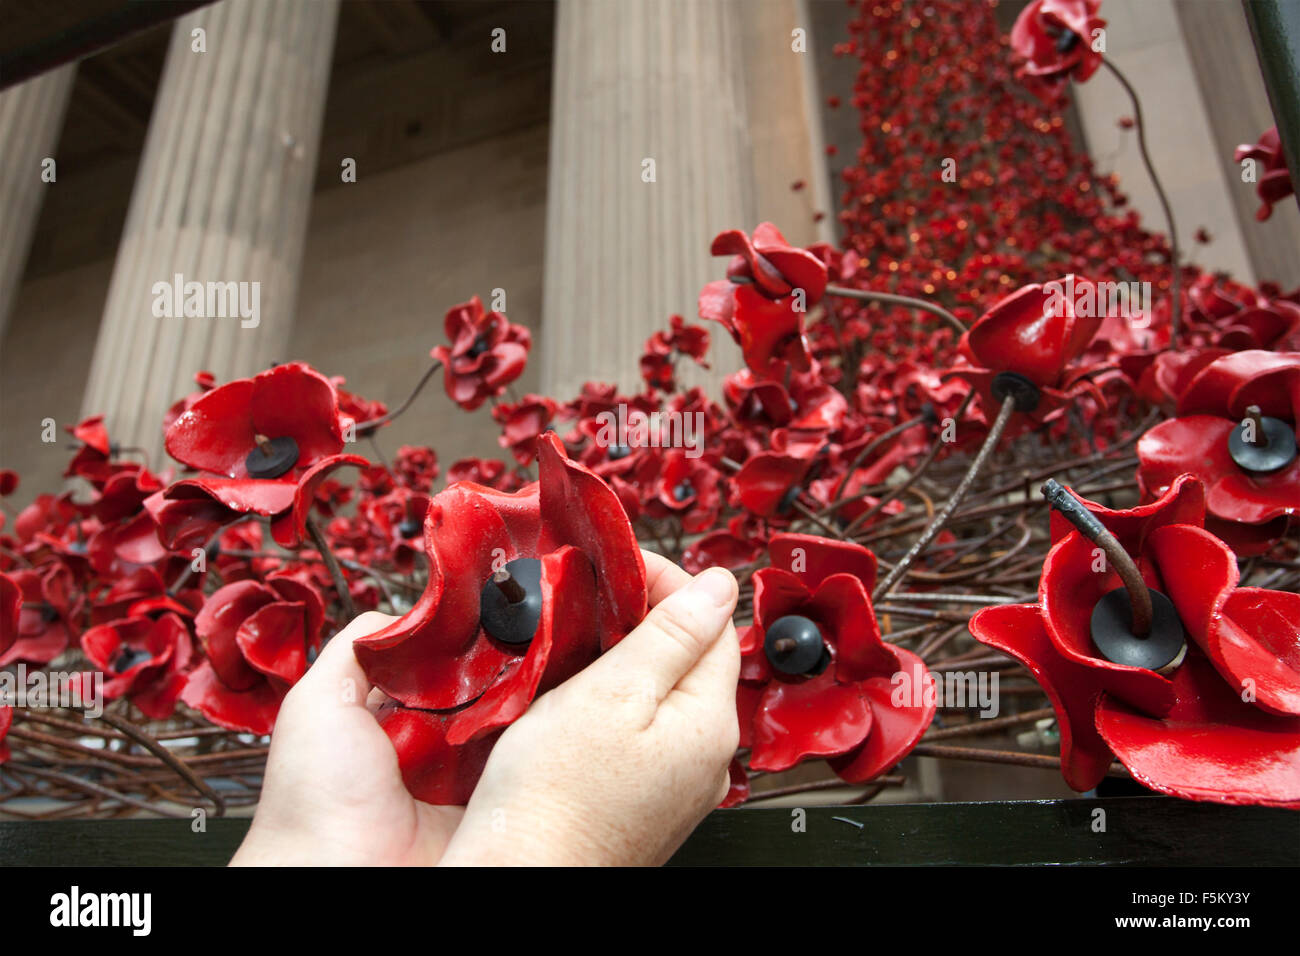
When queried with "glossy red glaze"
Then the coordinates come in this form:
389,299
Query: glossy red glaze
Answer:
256,638
1177,734
1036,40
861,710
437,657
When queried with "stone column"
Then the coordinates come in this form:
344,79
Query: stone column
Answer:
639,81
1144,40
1227,71
222,195
31,117
785,119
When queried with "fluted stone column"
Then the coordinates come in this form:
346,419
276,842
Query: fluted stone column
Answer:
639,80
222,195
1145,41
713,92
31,117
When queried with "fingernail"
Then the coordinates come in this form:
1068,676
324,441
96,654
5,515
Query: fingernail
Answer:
718,584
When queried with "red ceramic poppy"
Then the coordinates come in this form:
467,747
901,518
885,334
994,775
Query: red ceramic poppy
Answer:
143,592
6,721
659,358
764,302
11,605
1036,334
486,354
847,706
1237,317
256,639
145,660
522,423
1054,40
264,445
416,467
93,460
1273,181
1211,407
395,524
733,547
688,488
775,267
50,607
769,484
356,409
221,430
92,433
440,657
46,513
809,404
1161,377
126,537
124,494
1249,635
480,471
8,483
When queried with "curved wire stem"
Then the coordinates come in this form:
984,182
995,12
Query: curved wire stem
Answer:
365,428
1175,311
1073,510
332,566
890,298
182,769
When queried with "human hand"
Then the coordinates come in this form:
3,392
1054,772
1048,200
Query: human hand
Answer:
618,764
333,794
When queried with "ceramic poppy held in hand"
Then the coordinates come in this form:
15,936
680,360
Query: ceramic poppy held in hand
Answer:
524,590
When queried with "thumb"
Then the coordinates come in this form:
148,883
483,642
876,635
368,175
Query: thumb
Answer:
675,634
336,677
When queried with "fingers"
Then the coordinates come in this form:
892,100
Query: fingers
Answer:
714,676
675,634
662,577
336,675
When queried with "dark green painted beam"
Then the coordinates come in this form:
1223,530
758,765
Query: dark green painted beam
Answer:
1146,831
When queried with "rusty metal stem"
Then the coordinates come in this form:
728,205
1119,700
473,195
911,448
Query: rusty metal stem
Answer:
332,565
985,453
890,298
1072,510
514,591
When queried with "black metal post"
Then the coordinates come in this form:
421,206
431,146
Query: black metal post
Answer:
1275,28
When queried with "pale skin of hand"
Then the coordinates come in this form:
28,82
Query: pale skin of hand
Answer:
615,766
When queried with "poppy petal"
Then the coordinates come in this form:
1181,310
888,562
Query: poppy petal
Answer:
901,711
1210,746
816,717
433,769
252,711
567,640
